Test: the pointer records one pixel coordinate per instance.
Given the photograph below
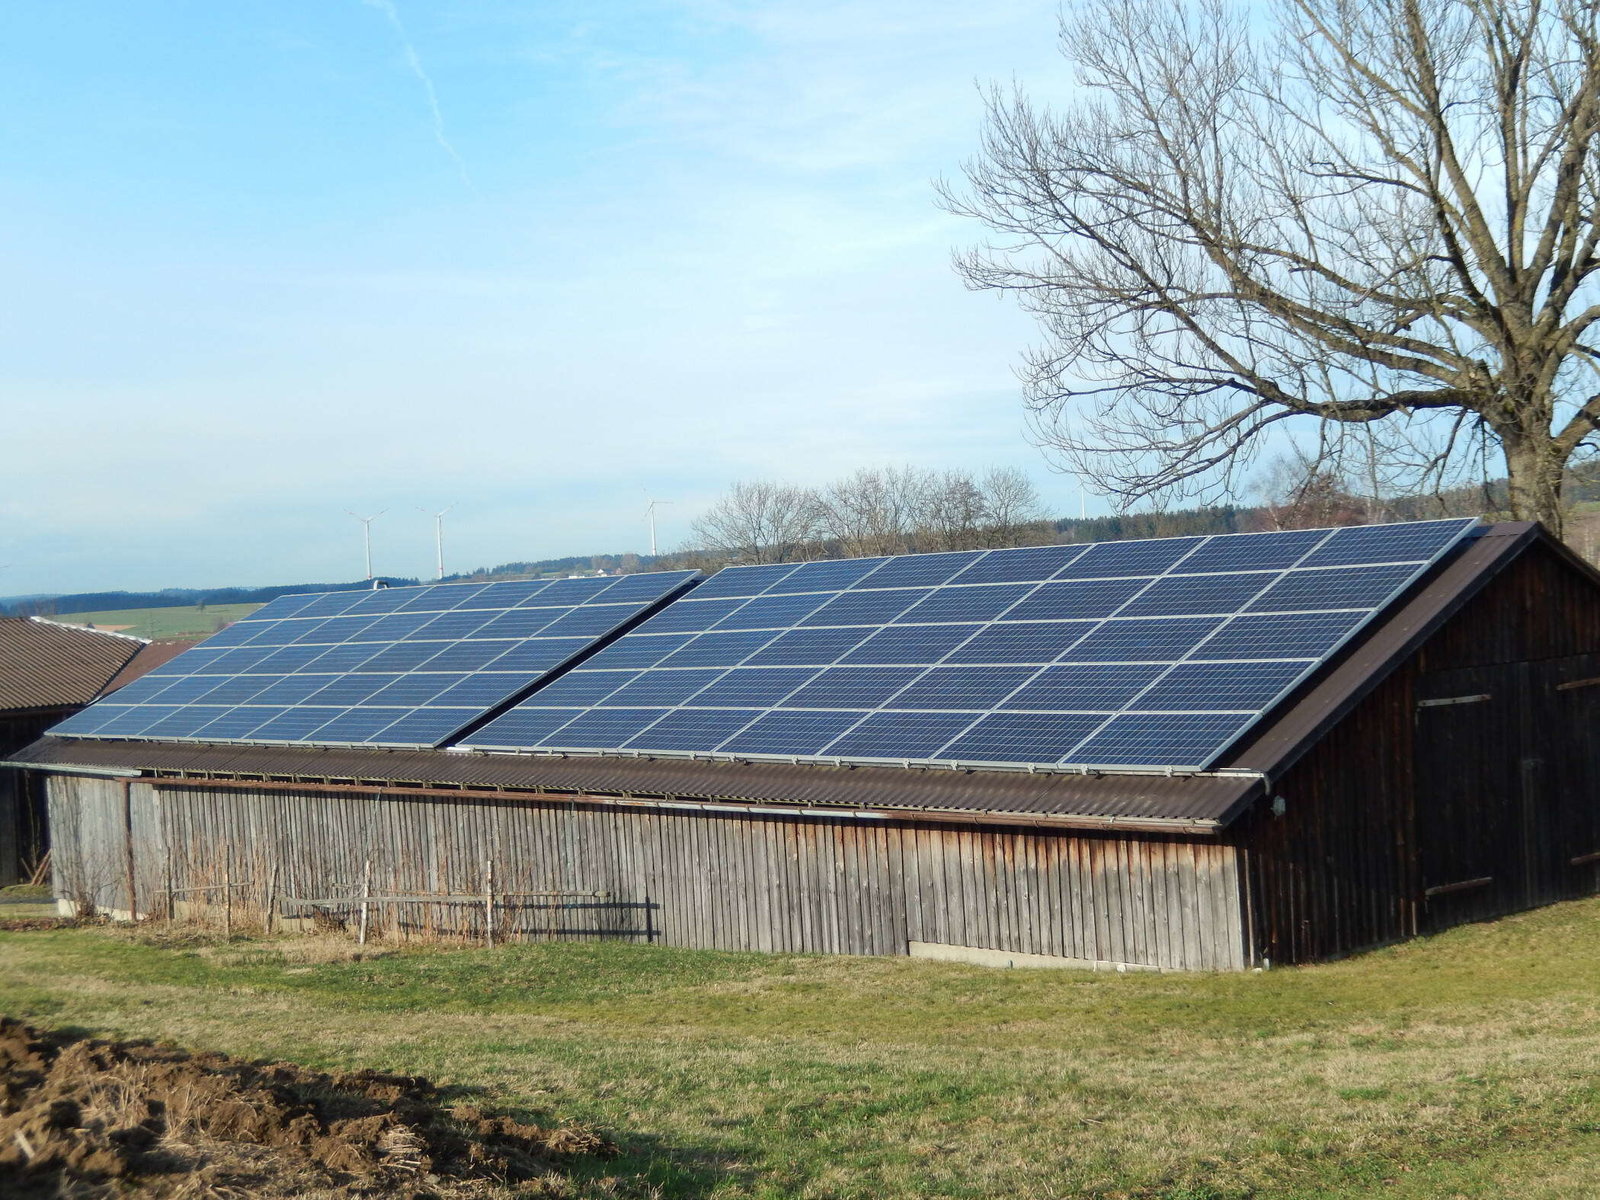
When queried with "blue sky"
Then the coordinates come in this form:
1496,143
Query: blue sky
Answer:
252,279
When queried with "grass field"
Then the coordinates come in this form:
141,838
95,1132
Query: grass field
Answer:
185,621
1466,1065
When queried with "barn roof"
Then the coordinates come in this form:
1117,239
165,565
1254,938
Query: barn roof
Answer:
1188,802
47,665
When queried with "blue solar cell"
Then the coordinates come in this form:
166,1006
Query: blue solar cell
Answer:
448,626
806,647
771,612
522,727
1419,542
345,690
1334,587
900,735
240,633
1105,560
504,595
482,690
404,691
1086,687
461,595
187,690
824,576
146,689
581,688
426,726
518,623
589,621
1180,595
653,688
752,687
962,688
1253,551
650,585
343,629
853,687
1076,599
405,656
182,722
639,649
692,614
358,725
339,659
230,689
236,723
1246,686
1161,739
133,720
394,627
279,608
910,644
1281,635
93,720
330,604
866,608
467,656
918,570
742,581
698,729
1156,639
983,603
293,725
717,649
606,727
1020,737
541,654
380,600
1022,642
572,591
304,633
282,690
789,732
426,599
289,658
1031,563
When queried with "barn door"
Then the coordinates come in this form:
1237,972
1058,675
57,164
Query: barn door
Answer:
1565,707
1469,817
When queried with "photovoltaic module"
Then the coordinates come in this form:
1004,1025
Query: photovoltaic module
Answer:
1154,653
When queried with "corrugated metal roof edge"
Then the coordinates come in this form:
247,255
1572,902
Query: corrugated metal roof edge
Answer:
1276,747
1129,803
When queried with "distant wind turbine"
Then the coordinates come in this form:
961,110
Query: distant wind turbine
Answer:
366,533
650,515
438,532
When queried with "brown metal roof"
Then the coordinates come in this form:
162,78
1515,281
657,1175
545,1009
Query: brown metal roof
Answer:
45,665
1122,801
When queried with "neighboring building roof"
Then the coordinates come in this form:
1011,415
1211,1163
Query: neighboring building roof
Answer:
46,665
1194,803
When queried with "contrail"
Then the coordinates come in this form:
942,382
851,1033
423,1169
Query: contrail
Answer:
387,8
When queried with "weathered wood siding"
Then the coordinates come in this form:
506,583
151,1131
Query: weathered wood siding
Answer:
1411,815
24,833
680,878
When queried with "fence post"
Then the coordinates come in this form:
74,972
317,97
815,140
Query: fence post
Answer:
488,902
272,898
366,895
227,900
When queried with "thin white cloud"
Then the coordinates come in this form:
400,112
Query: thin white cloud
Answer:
387,8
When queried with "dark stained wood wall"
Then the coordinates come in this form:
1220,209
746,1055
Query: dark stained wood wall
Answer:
24,833
1410,815
677,877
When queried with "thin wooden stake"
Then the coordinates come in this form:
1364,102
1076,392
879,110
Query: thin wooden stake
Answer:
488,902
227,901
366,894
272,897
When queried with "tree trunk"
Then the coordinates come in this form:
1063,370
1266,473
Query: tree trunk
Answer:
1533,481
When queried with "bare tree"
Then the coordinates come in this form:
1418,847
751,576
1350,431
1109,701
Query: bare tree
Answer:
1374,217
1300,493
759,523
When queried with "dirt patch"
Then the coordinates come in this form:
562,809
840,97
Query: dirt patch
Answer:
83,1119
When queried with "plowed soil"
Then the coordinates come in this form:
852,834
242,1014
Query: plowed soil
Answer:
83,1119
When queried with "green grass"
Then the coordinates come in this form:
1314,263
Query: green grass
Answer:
1464,1065
186,621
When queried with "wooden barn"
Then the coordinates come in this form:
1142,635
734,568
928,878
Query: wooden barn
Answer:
1442,766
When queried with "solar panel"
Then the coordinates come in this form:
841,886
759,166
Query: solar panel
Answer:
394,667
1139,654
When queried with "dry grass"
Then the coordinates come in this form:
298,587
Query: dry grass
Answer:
1466,1065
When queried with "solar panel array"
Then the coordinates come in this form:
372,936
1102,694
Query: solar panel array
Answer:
395,667
1115,654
